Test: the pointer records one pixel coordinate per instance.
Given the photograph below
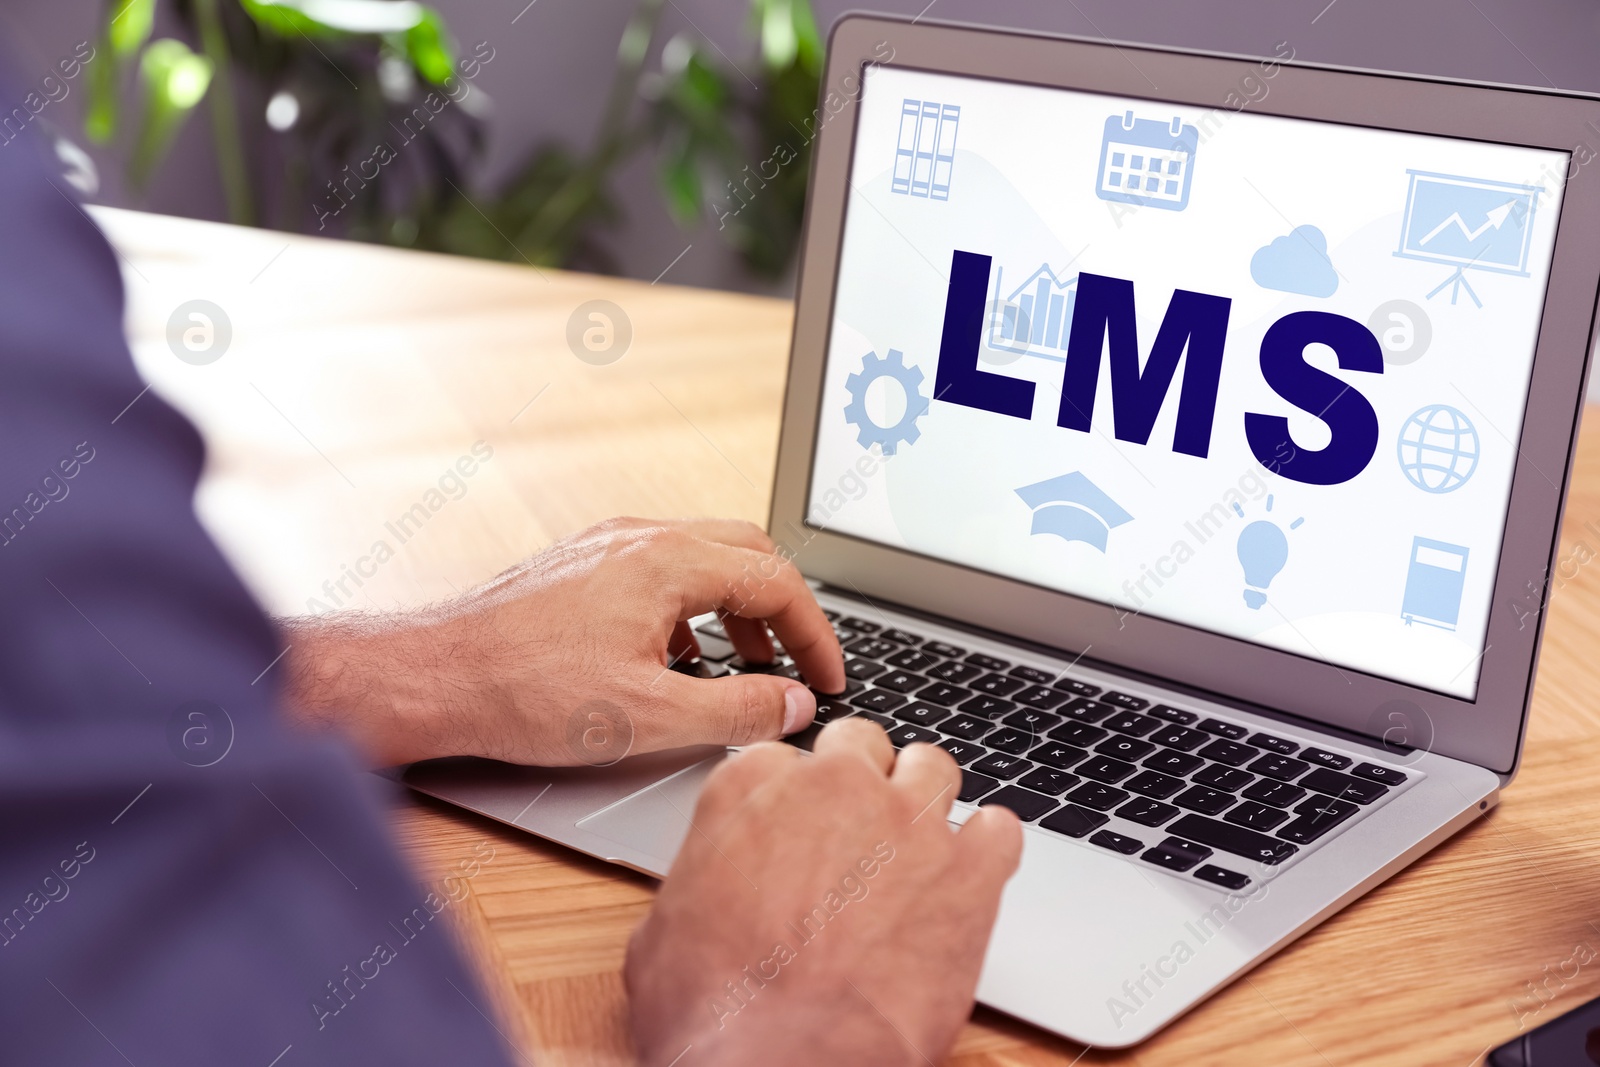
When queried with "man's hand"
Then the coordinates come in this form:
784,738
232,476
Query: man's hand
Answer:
564,659
821,911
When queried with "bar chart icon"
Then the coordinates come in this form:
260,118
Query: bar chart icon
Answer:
925,152
1033,317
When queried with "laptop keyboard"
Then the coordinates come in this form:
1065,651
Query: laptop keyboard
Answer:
1193,794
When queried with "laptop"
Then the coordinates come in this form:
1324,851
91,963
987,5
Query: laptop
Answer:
1180,441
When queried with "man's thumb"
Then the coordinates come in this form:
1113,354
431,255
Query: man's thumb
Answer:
740,709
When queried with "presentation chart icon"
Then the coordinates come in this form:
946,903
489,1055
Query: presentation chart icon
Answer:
925,153
1073,508
1438,448
1033,318
1434,582
1467,224
1147,162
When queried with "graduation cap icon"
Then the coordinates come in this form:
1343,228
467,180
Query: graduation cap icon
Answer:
1073,508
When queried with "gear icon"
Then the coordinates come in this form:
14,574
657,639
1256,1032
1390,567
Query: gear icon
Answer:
873,367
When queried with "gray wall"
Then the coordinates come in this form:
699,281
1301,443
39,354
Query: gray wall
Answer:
552,67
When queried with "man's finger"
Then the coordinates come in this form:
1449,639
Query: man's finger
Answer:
857,738
930,777
749,638
991,844
682,645
734,532
761,585
738,710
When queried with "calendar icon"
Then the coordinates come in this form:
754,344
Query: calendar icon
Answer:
1147,162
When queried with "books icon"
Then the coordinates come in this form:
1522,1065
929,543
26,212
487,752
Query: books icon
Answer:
926,151
1147,162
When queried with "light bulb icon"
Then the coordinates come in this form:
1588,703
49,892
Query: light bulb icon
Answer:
1263,550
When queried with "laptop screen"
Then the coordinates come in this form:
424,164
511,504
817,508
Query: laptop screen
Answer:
1258,375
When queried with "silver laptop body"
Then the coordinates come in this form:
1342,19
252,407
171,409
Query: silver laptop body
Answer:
1233,674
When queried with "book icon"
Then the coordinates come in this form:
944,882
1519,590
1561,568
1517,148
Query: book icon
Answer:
1147,162
925,153
1435,579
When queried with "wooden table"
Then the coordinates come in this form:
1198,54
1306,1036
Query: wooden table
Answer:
357,375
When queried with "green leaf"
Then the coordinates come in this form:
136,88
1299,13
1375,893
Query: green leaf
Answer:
175,81
428,47
680,183
129,25
326,18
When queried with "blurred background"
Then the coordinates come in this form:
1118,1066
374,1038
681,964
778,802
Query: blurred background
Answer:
593,134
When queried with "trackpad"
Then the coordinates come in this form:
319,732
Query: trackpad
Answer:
655,820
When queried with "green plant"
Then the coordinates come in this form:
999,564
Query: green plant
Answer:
304,90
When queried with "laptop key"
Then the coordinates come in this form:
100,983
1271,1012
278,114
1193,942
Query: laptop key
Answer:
1274,744
1180,737
1124,700
974,785
941,648
1125,748
1154,784
1073,821
830,710
1331,808
1072,685
1278,794
1176,855
1129,723
1105,769
882,721
1326,759
955,673
965,727
1226,779
1010,740
1230,730
996,685
1025,802
1146,812
900,637
1234,755
1308,828
1058,755
919,714
878,700
1049,780
987,707
1097,796
905,734
1204,799
1172,714
901,681
1383,775
1087,710
1002,766
1256,816
940,693
1116,842
1343,786
1227,879
963,752
912,659
871,647
862,669
860,625
1283,768
1041,696
1032,674
1037,721
1077,733
1237,840
988,663
1169,762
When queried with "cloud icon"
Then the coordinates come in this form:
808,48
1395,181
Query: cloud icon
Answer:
1297,263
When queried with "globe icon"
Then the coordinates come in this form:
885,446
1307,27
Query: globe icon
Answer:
1438,449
